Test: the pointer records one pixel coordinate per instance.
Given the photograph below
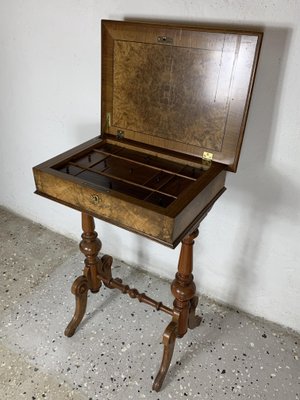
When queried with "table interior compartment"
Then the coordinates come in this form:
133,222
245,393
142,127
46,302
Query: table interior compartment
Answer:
142,176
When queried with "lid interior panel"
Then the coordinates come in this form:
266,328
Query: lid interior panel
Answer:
189,93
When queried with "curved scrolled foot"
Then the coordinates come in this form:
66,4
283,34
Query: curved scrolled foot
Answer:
194,320
80,290
169,343
105,269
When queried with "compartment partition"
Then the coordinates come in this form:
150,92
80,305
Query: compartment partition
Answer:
142,176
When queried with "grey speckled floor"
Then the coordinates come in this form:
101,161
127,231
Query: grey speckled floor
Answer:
117,350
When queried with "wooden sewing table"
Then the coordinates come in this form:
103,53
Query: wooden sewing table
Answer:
173,112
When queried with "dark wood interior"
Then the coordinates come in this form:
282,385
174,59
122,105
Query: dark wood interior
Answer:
142,176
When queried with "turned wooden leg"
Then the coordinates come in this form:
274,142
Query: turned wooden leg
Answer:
90,246
183,287
185,303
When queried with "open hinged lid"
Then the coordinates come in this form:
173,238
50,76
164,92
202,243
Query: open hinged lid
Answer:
180,88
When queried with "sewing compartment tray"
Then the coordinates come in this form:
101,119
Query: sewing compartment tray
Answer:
156,194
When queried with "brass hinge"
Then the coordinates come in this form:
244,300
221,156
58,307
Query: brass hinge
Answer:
207,157
106,125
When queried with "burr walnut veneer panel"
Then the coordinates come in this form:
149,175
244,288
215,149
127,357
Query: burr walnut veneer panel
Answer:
180,88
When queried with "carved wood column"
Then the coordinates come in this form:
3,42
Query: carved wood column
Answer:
184,290
90,247
183,287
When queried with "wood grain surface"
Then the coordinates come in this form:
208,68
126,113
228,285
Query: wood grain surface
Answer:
175,93
189,93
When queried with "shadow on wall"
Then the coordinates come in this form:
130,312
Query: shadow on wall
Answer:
266,186
87,132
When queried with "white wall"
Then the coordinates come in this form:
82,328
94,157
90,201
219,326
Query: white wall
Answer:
248,250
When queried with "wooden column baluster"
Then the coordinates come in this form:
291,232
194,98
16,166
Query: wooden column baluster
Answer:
90,246
185,303
183,287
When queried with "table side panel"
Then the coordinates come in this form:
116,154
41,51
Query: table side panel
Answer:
191,212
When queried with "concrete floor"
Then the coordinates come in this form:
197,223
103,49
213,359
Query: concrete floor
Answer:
117,351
